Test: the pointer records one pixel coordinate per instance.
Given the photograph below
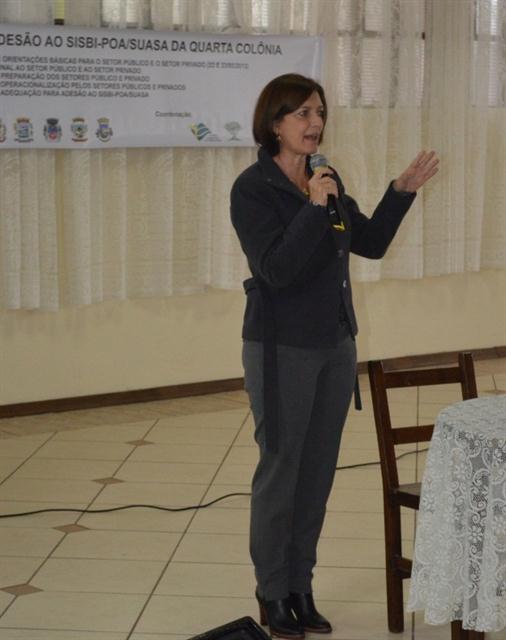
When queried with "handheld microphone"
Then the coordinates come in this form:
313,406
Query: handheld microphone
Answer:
318,162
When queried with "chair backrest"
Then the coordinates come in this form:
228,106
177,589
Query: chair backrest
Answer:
389,436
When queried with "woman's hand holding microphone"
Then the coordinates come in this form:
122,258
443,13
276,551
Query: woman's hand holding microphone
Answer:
320,186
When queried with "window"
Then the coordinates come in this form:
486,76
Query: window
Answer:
369,37
129,13
489,54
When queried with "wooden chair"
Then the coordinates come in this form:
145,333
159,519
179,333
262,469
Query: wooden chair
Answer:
396,495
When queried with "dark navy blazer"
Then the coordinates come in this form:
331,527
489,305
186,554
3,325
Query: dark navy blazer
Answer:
300,293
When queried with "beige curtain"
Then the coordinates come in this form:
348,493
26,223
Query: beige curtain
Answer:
78,227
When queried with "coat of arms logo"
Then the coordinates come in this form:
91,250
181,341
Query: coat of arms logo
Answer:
104,131
23,130
52,130
79,129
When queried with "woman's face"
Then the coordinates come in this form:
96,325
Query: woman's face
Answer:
299,132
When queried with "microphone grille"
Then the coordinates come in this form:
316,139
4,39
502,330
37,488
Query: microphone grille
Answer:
318,160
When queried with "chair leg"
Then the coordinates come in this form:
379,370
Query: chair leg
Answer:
458,633
393,551
395,606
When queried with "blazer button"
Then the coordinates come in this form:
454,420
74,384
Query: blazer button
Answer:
345,284
340,253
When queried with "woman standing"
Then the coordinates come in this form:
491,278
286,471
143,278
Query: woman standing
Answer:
299,351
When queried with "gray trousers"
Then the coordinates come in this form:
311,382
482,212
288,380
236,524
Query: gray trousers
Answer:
290,488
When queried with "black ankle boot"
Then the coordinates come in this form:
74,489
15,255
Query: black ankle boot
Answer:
307,615
279,616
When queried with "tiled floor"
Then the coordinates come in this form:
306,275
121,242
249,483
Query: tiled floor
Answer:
150,574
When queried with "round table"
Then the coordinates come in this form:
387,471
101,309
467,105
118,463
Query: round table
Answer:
459,560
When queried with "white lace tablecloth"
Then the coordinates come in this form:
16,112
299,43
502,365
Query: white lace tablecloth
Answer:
459,561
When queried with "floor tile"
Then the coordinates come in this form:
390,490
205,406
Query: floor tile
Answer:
5,601
137,519
17,570
220,418
240,396
166,495
363,478
99,576
346,552
238,501
31,437
85,450
18,447
71,528
424,631
106,433
359,440
350,500
30,543
119,545
180,453
31,489
484,382
403,396
242,456
38,520
33,425
55,634
213,548
357,456
166,433
206,404
369,477
195,473
492,365
229,419
213,580
431,632
193,615
361,621
428,412
500,380
121,414
20,590
66,469
245,438
73,611
364,419
216,520
349,584
8,466
156,636
446,393
107,481
366,526
235,474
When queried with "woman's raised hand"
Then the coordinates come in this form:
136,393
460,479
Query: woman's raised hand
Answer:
423,167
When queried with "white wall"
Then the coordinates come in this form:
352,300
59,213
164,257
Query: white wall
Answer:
121,346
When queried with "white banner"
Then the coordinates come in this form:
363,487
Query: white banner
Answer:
66,87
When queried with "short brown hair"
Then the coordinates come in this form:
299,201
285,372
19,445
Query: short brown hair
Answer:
282,95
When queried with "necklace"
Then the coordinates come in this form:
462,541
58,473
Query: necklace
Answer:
300,186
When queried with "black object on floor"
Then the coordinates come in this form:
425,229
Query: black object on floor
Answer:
242,629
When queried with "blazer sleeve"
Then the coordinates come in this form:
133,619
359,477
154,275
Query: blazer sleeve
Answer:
371,237
275,251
